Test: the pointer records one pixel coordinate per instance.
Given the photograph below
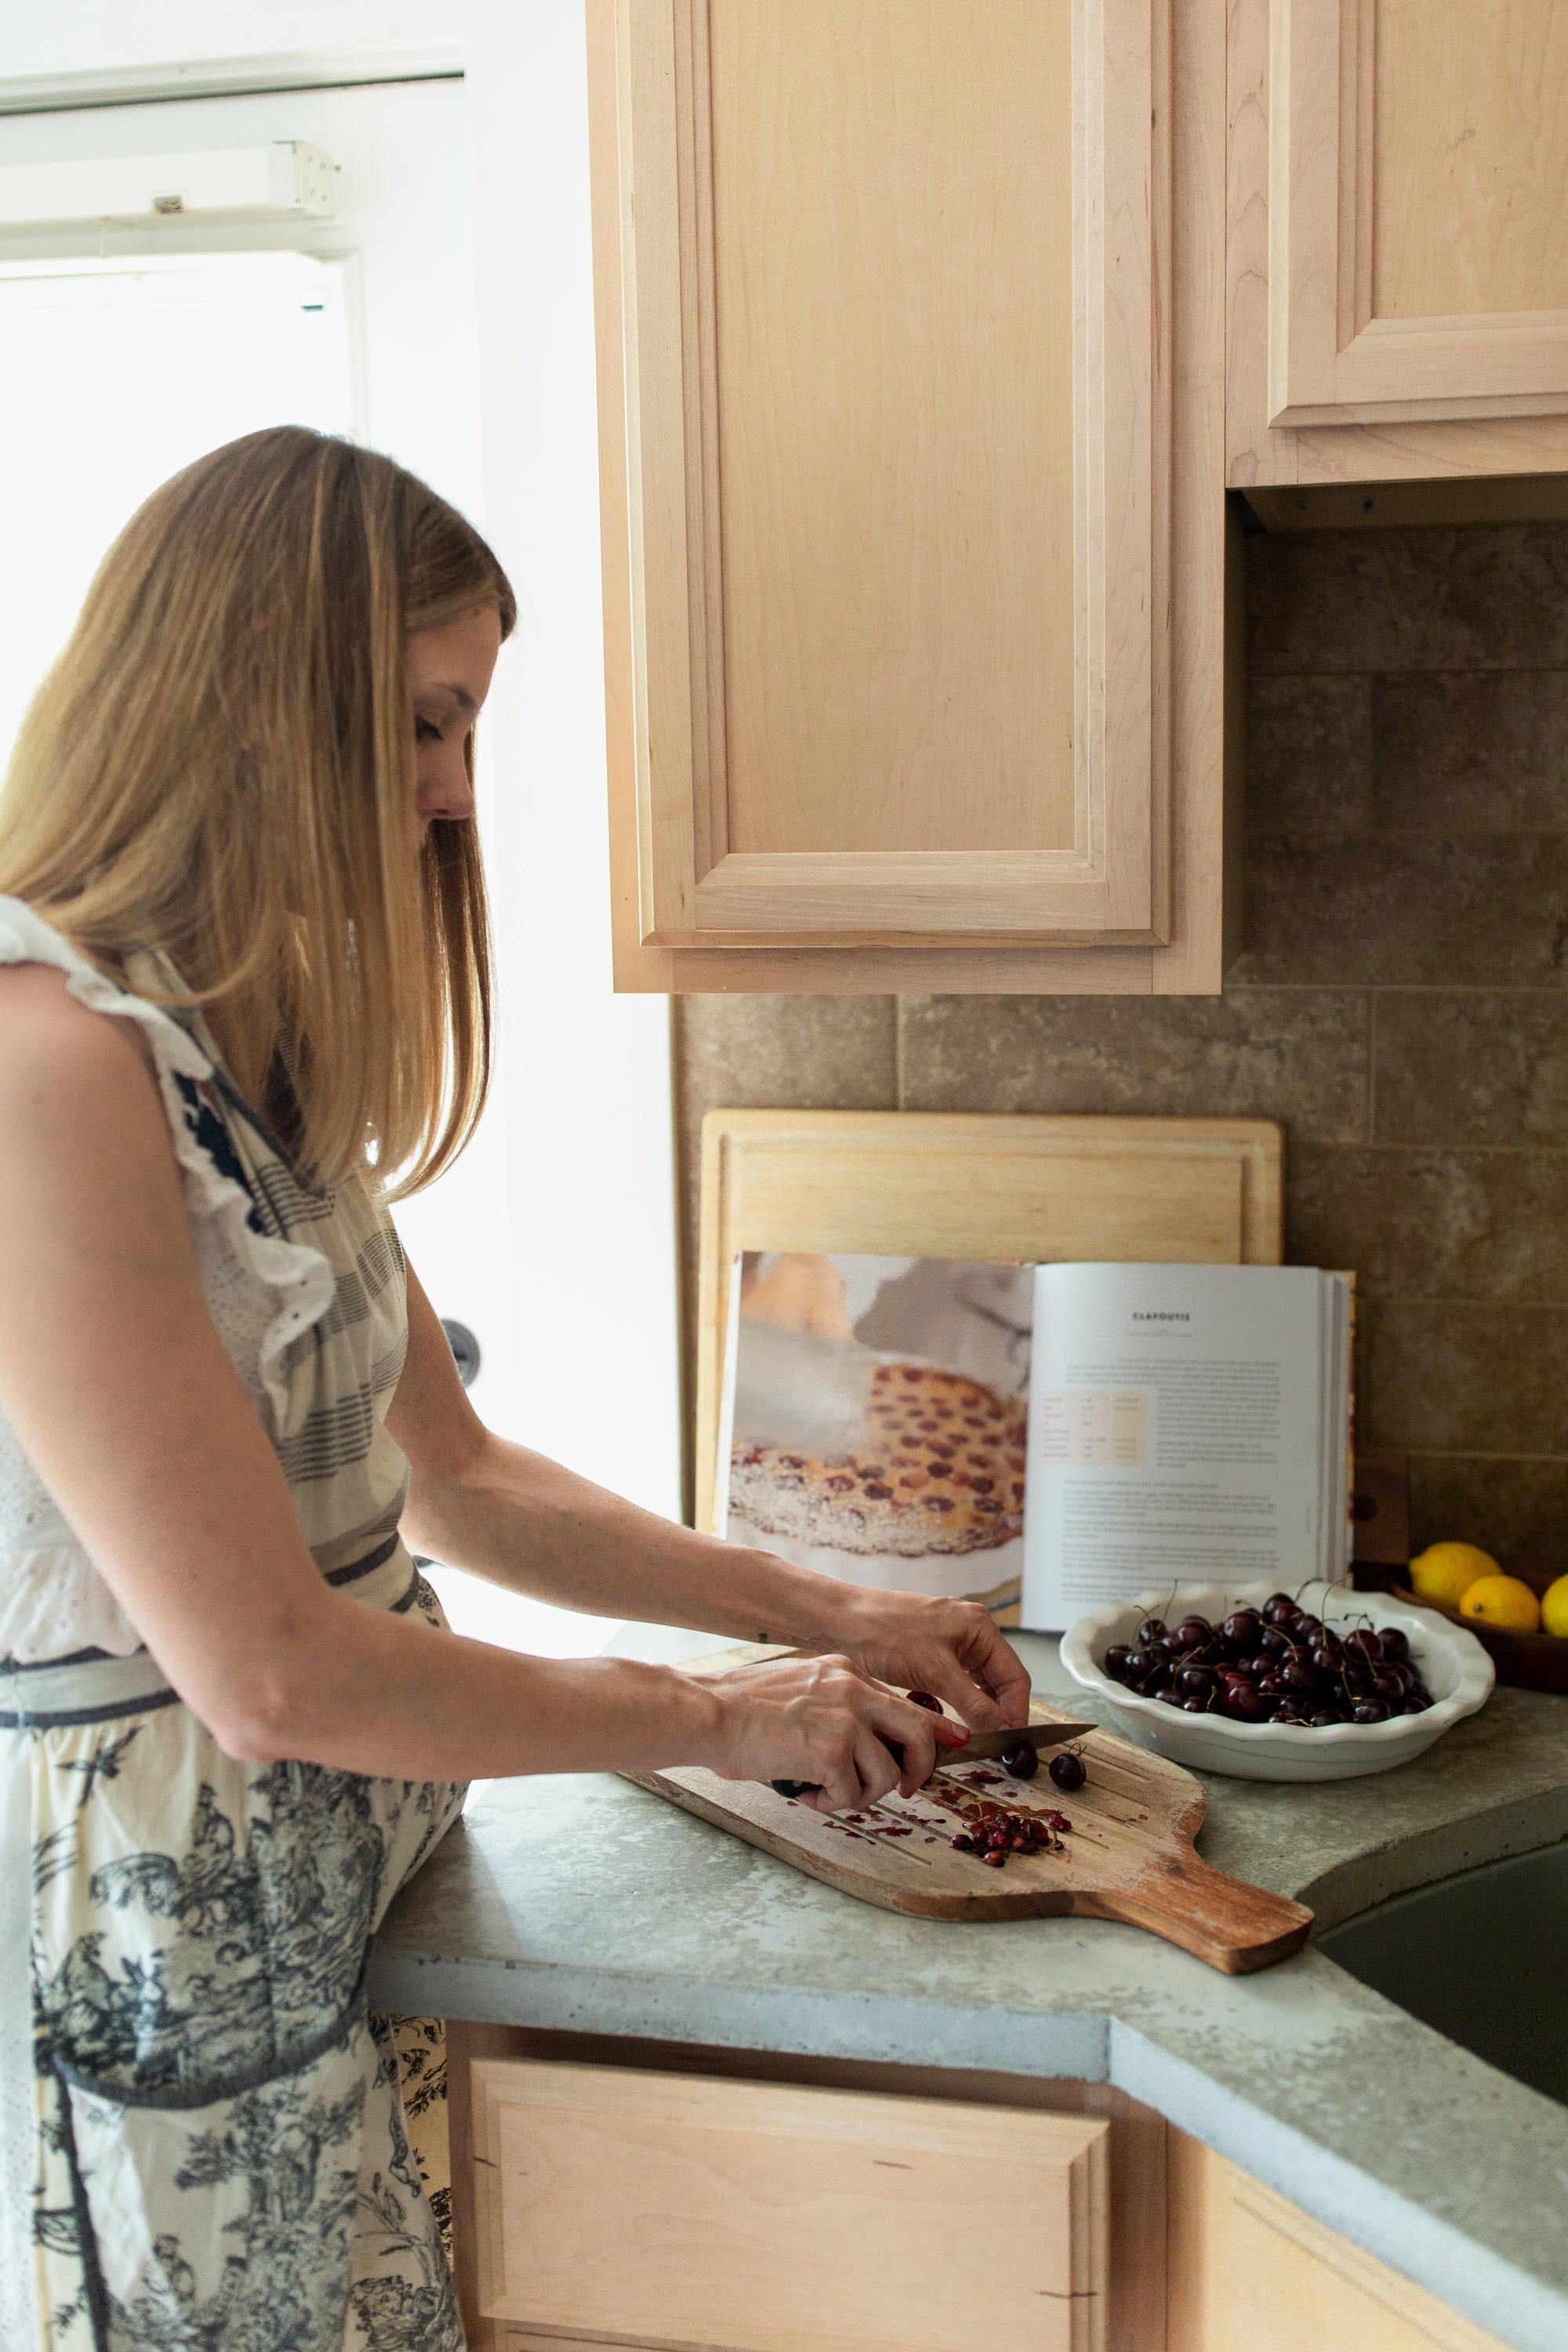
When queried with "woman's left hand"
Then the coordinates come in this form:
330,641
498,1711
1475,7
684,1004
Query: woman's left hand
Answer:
951,1648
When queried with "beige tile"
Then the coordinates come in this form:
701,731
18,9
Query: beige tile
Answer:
1470,1070
1412,911
1399,600
1417,1224
1516,1510
1293,1055
1484,751
1445,1376
1309,766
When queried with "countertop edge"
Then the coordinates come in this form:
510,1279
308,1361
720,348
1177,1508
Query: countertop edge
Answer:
1395,2229
1479,2284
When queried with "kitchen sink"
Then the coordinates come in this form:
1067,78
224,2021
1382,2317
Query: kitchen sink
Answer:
1483,1958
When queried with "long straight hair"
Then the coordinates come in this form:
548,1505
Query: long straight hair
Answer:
220,766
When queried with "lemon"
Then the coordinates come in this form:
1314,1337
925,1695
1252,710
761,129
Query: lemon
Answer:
1555,1607
1443,1573
1503,1601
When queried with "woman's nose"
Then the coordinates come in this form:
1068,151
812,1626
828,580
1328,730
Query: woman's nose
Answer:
448,793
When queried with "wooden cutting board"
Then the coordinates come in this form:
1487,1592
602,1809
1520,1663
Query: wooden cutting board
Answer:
971,1185
1129,1854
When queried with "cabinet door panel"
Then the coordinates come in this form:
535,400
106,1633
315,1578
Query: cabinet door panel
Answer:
1418,199
893,262
635,2207
892,277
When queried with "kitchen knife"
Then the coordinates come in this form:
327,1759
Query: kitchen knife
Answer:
982,1747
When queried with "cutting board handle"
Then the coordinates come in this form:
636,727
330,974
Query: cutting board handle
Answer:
1222,1920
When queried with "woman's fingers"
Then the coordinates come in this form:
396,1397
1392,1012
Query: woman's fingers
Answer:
996,1667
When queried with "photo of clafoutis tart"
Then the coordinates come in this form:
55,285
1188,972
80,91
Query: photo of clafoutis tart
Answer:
936,1466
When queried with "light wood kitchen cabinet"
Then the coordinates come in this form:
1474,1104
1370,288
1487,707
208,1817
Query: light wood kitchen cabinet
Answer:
910,349
1249,2272
650,2207
1397,258
744,2201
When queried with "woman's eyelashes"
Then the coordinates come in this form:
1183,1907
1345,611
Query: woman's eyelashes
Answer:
425,731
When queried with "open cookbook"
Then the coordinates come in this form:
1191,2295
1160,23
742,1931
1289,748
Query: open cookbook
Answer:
1043,1438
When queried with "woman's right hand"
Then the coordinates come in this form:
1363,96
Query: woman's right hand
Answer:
819,1720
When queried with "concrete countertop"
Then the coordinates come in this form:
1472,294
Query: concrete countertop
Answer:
585,1905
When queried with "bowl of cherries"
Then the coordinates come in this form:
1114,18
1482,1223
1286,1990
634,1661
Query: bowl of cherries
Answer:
1320,1684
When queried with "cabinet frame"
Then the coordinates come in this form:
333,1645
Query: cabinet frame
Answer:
1114,883
1330,360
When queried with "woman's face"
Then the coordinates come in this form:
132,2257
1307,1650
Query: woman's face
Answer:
450,671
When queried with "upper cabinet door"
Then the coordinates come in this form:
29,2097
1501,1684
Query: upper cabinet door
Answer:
894,331
1417,210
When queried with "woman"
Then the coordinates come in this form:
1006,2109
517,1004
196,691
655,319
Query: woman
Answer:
245,1001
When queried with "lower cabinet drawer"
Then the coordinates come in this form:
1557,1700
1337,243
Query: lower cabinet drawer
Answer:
621,2207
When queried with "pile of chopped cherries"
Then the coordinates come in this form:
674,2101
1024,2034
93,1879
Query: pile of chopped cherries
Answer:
1274,1665
994,1833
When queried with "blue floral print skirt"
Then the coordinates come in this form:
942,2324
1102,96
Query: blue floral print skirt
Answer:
224,2159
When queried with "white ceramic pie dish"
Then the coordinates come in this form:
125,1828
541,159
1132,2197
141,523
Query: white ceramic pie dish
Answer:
1453,1666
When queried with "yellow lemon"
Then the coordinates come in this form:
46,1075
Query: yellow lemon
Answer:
1555,1607
1443,1573
1503,1601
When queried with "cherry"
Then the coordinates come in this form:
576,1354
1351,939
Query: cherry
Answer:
1242,1628
1192,1633
1278,1609
1168,1694
1243,1701
1388,1685
1022,1759
1305,1629
1152,1629
1364,1640
1067,1771
1329,1655
1295,1676
1272,1642
1327,1715
1117,1660
1395,1645
1371,1710
926,1699
1194,1681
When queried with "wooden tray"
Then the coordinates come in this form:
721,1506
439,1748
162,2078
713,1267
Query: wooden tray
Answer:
1528,1661
1129,1854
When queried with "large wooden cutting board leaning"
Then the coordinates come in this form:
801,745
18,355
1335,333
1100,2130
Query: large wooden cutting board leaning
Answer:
1194,1192
1129,1854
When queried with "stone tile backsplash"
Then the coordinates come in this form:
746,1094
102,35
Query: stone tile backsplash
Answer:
1402,1005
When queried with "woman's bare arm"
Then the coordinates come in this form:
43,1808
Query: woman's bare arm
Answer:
479,1503
114,1379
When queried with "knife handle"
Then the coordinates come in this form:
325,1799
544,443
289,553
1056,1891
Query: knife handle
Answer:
810,1788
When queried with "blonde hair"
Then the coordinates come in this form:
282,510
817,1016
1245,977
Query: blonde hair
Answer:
220,767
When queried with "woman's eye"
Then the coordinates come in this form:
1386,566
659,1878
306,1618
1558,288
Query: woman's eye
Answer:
426,731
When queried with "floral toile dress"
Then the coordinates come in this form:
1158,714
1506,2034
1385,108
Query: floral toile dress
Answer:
212,2130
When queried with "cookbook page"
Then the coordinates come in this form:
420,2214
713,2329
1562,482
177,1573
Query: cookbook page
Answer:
1175,1432
874,1419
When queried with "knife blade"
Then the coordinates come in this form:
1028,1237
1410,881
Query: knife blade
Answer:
980,1747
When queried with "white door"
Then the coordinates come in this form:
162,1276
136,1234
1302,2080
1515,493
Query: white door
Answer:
124,353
